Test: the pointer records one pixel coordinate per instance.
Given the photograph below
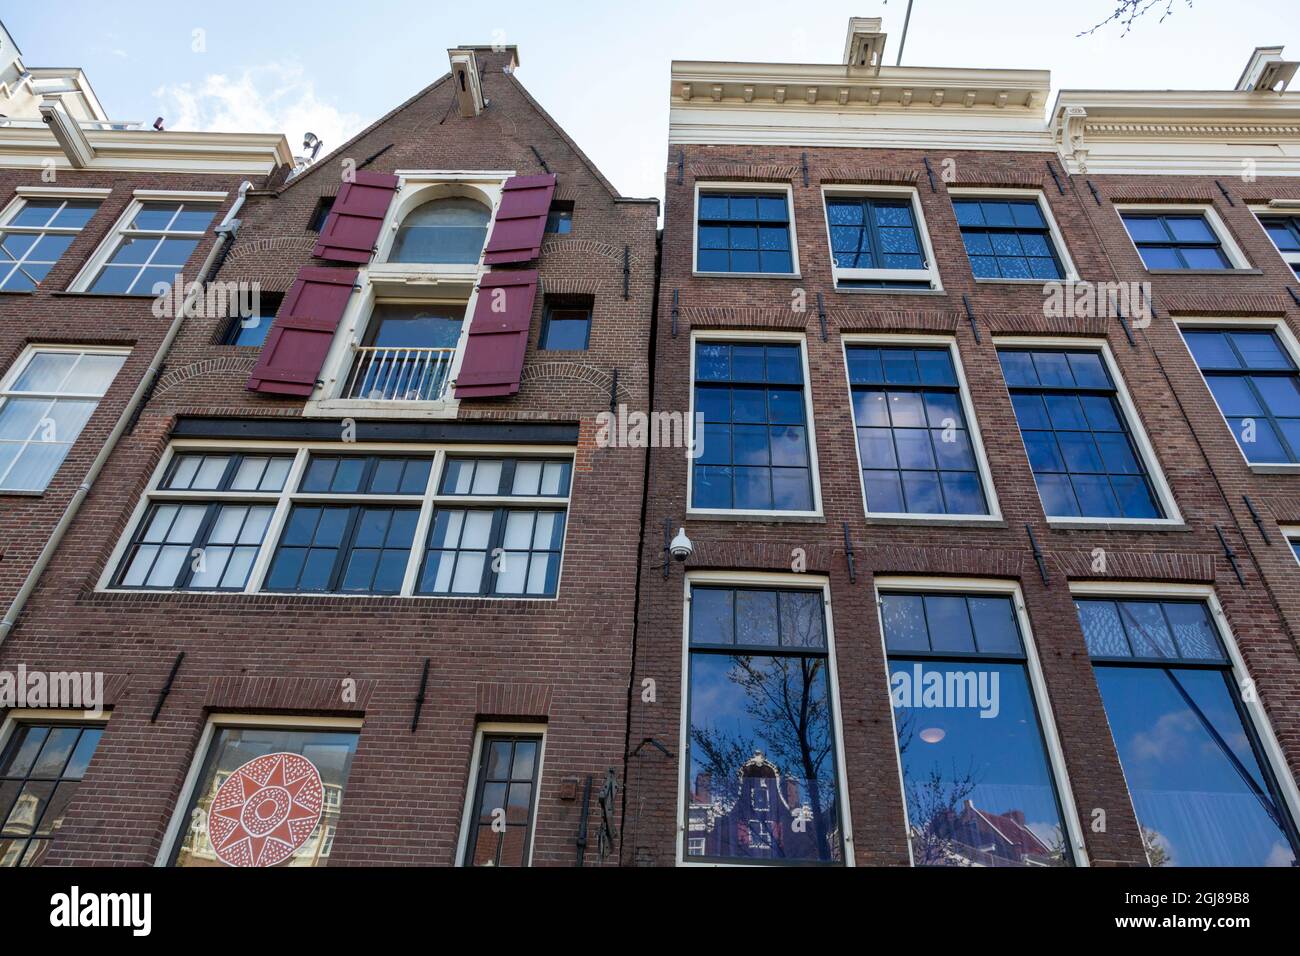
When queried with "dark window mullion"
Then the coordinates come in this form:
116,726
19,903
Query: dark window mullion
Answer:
200,540
345,547
496,538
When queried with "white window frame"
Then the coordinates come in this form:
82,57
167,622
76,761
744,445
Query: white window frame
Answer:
929,274
25,194
1245,324
20,365
1270,748
887,340
724,186
1045,208
284,500
1037,682
1291,534
108,247
742,337
222,720
412,283
758,579
1236,257
489,728
1137,430
1292,259
48,715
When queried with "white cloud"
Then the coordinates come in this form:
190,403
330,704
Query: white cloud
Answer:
271,98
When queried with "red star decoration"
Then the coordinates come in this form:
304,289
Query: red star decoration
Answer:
266,810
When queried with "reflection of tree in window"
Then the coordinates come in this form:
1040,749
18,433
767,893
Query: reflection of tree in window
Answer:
761,743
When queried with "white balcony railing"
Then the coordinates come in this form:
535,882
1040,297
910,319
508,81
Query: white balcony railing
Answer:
399,374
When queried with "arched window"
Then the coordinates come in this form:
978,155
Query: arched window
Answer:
446,231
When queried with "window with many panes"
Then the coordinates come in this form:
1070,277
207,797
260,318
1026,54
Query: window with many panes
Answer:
276,798
324,522
205,523
505,798
357,544
756,452
45,401
1257,387
1203,792
977,780
914,442
876,243
1007,239
1285,233
1077,436
34,237
41,767
154,245
486,539
762,782
745,232
1176,241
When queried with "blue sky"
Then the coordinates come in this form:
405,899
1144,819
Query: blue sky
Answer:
600,68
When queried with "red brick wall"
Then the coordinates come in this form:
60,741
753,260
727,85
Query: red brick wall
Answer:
565,661
1199,458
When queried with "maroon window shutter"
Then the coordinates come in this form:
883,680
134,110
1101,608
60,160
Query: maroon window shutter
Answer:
303,330
521,220
352,228
498,335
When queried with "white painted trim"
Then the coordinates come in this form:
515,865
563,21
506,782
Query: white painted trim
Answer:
1038,685
1282,329
476,755
804,582
1227,241
743,337
61,192
180,195
210,726
284,500
929,274
1272,748
1062,250
714,186
1291,259
1164,494
968,410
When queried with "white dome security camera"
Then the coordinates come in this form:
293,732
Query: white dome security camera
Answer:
681,547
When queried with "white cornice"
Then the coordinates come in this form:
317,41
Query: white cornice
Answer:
149,151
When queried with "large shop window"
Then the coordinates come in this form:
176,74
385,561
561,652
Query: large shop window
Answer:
505,800
45,402
914,442
1257,387
976,778
756,453
1077,436
40,769
763,784
320,522
1203,793
266,796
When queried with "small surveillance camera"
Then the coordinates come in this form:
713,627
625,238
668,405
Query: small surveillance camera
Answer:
681,547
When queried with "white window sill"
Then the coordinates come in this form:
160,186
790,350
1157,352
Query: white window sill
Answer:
1028,282
747,275
1116,524
1206,272
176,592
852,291
1280,468
766,517
963,521
379,408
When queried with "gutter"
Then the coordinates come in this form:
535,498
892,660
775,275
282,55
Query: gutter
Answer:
225,232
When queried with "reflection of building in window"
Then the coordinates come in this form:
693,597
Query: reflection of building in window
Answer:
973,837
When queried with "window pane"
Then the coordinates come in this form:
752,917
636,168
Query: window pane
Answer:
976,779
1200,791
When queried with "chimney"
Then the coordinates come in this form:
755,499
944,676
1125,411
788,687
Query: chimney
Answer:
864,47
1266,71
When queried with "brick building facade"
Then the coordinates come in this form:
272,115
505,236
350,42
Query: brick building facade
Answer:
870,248
325,548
